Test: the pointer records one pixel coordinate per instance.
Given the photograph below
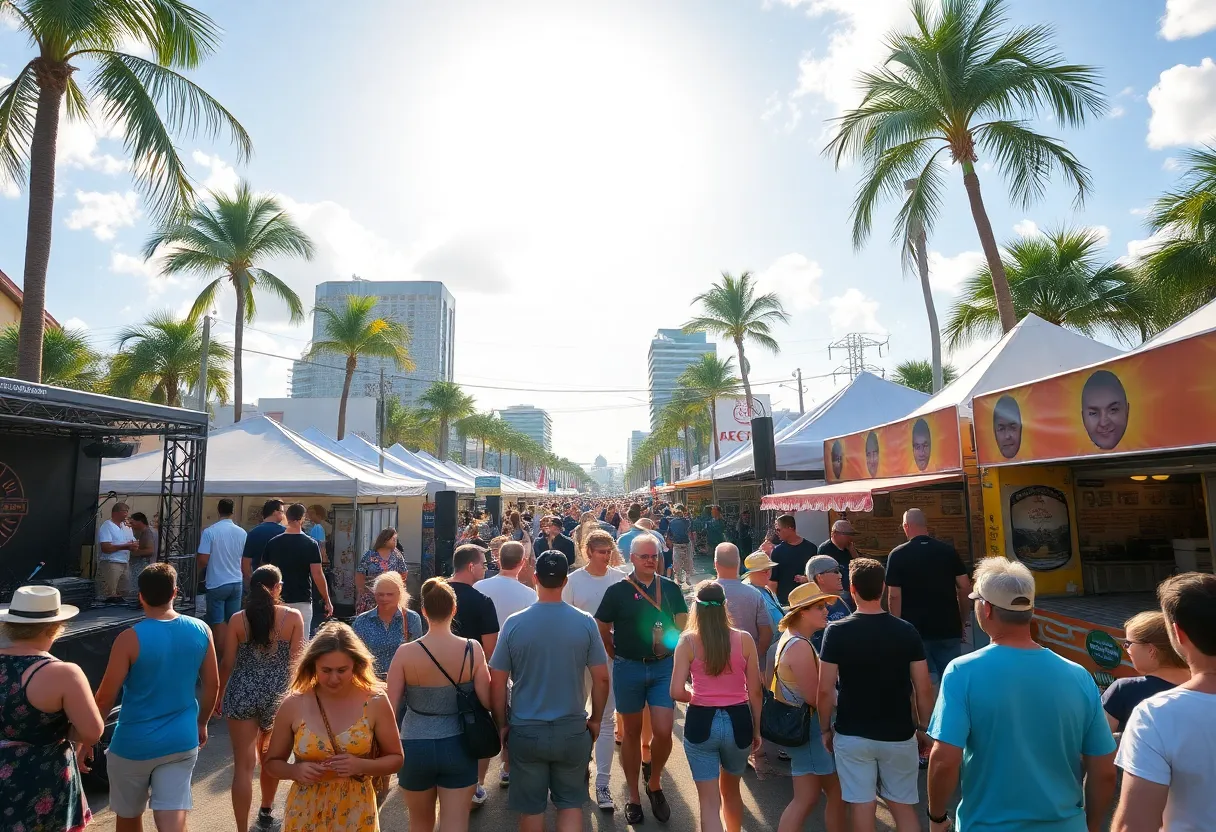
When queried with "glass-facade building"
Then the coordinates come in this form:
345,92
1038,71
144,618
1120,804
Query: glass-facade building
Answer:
671,353
530,421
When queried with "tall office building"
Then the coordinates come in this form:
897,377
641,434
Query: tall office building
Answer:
671,353
635,440
425,307
530,421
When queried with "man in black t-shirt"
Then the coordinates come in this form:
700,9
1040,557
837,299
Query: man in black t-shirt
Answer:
299,559
791,556
879,661
840,547
927,586
477,618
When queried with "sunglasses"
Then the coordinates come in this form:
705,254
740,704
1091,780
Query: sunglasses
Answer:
647,557
835,571
1127,645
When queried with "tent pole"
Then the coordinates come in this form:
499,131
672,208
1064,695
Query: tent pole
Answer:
355,537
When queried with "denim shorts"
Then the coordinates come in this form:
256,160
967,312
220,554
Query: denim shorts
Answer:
549,760
940,652
869,769
441,763
166,779
718,752
638,684
812,758
223,602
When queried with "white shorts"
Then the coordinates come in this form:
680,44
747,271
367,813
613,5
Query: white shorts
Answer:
167,778
304,608
869,768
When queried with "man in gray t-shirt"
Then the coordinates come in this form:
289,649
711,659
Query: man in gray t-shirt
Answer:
744,603
546,651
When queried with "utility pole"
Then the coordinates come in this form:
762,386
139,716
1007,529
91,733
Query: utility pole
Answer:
855,345
202,365
380,421
798,375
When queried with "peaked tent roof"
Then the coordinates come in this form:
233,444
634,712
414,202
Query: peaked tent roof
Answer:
370,461
1201,320
1032,349
258,457
371,454
457,480
510,485
866,400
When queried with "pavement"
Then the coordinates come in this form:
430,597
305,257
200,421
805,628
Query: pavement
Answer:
763,800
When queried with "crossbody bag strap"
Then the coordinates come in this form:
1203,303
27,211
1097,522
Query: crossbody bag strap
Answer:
777,666
438,665
330,731
658,591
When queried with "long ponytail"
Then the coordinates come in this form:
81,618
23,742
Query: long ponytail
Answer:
259,609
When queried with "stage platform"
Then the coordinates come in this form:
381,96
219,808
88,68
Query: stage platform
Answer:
89,635
1107,610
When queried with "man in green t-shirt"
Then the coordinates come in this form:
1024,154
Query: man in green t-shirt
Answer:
640,619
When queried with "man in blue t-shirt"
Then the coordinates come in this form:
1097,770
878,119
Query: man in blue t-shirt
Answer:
273,518
1024,725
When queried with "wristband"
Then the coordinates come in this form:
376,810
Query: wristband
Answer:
945,816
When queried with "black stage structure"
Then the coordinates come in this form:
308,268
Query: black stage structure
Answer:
52,443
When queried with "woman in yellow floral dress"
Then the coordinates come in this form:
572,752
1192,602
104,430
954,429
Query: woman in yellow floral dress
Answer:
334,708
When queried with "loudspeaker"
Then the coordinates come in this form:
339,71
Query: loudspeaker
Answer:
764,454
109,450
445,531
494,507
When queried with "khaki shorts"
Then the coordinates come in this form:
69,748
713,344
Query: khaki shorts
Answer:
115,578
165,779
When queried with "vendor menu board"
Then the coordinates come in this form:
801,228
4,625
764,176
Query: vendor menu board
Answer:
1118,513
881,530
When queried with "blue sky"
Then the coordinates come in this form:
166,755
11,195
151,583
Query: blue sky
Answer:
577,171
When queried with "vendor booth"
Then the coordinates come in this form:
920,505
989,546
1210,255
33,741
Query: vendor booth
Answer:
257,459
1101,481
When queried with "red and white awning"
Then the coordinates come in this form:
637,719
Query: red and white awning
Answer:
857,495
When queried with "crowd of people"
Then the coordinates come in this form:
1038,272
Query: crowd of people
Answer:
593,631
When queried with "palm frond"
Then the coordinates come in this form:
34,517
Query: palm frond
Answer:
18,107
1028,158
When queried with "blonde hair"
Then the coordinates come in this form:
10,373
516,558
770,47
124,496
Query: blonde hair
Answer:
1151,628
599,537
790,617
28,632
335,637
496,543
710,625
394,578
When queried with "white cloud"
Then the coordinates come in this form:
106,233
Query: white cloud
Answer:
1136,249
1117,111
10,190
1127,92
1139,212
1171,163
1184,106
123,263
854,312
1027,228
856,41
783,113
1187,18
1103,233
75,323
795,278
948,273
77,143
104,213
221,177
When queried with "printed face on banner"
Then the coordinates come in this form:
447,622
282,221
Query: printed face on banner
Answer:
1158,399
921,445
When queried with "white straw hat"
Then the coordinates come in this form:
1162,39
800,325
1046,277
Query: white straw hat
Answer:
37,605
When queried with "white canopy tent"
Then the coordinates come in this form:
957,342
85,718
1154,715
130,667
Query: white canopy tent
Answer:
1032,349
866,400
510,485
1201,320
370,461
258,457
457,480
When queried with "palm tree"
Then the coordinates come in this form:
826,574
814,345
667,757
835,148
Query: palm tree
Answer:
478,427
68,359
1060,277
224,241
918,374
353,330
710,379
447,404
412,427
160,358
1182,266
954,85
731,309
149,100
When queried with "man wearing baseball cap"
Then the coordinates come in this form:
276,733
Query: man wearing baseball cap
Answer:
840,547
825,573
546,650
1028,720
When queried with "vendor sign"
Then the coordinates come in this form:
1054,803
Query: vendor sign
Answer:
1159,399
487,487
927,444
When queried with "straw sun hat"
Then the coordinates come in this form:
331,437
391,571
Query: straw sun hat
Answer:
37,605
803,596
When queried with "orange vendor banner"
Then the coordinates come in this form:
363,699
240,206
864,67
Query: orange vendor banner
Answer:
1160,399
927,444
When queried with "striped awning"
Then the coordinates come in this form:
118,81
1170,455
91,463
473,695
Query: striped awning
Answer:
857,495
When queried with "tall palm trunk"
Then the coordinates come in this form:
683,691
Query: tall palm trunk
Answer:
713,422
442,445
1000,284
351,362
238,340
52,82
747,385
935,336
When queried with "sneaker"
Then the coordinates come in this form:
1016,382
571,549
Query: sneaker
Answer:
658,805
633,814
267,822
479,796
504,780
603,798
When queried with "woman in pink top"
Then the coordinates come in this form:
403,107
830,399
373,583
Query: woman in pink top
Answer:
722,725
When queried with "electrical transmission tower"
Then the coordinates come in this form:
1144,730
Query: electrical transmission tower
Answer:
854,346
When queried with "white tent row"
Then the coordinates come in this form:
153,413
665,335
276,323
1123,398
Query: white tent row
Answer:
510,485
363,453
259,457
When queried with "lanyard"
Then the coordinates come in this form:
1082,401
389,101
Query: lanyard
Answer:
657,600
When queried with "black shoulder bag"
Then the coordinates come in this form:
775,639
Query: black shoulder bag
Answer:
787,725
477,728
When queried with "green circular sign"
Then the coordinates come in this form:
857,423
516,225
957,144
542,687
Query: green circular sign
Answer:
1103,649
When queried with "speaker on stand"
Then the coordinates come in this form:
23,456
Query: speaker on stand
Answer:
445,532
764,459
494,509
